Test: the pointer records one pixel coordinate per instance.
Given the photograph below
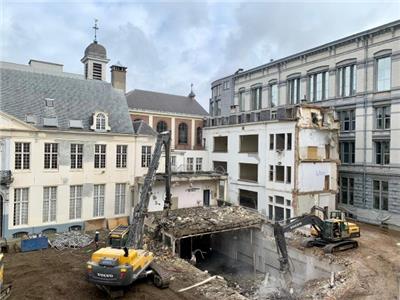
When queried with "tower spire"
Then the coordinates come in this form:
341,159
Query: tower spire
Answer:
95,27
191,94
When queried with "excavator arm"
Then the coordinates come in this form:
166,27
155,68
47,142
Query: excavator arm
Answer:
135,238
294,223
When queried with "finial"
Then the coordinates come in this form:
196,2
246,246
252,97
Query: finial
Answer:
95,27
191,94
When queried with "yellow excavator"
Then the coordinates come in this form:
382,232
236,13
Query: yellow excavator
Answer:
117,266
352,228
5,289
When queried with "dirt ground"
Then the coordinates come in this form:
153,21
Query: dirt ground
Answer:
373,272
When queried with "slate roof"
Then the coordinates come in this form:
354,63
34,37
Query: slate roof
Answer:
141,127
23,91
154,101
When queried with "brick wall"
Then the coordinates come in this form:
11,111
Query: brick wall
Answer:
187,146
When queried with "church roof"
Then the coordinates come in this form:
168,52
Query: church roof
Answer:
96,50
161,102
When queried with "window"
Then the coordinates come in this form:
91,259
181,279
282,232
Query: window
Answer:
381,194
199,163
294,90
383,74
162,126
347,80
347,120
326,182
199,136
183,133
273,90
271,173
146,156
271,142
382,152
189,164
120,194
248,172
347,152
122,151
318,86
99,156
97,71
277,209
22,156
21,205
226,85
280,142
211,108
241,100
50,156
248,143
220,144
347,190
280,173
382,117
100,122
289,142
256,95
49,203
98,200
288,174
217,109
76,156
75,201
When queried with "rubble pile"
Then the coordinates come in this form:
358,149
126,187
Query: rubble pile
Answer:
200,220
184,275
70,239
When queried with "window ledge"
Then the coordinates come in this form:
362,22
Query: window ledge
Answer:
247,180
51,170
19,171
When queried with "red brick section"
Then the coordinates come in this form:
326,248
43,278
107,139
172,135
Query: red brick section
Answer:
158,119
145,118
197,124
189,125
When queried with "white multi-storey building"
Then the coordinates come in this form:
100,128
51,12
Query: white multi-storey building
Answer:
281,167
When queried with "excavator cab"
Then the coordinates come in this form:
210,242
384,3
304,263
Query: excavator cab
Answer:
118,237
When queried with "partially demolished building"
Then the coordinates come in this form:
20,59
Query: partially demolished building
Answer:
279,163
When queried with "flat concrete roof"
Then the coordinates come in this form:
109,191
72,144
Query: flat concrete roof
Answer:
186,222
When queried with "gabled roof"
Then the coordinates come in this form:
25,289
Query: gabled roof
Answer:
23,92
160,102
142,128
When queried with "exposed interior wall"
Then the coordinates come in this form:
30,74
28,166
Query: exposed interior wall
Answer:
248,198
318,172
318,144
257,248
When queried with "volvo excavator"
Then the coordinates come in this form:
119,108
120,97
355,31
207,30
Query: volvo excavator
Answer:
332,234
117,266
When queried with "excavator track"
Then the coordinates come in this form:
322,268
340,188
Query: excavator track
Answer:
340,246
5,292
161,276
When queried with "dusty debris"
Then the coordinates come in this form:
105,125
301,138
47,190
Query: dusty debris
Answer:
70,239
201,220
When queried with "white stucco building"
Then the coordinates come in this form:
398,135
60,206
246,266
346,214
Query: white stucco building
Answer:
281,167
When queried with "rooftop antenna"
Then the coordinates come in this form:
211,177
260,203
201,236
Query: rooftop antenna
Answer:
95,27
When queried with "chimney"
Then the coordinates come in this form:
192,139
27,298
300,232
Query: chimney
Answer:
118,77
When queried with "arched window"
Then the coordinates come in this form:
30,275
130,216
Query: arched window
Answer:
100,122
183,133
198,135
162,126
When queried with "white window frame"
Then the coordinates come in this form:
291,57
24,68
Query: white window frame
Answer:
51,156
146,156
49,212
383,84
75,202
100,151
122,156
76,156
21,206
22,156
98,200
199,164
120,198
189,164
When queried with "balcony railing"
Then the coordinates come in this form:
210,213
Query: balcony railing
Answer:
6,177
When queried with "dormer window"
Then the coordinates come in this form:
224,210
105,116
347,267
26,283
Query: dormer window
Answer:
100,122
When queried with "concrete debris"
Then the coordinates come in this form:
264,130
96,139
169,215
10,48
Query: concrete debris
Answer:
201,220
70,239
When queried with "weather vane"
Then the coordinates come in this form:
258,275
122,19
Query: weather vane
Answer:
95,27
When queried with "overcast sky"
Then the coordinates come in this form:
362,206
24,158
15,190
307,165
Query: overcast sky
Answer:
168,45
